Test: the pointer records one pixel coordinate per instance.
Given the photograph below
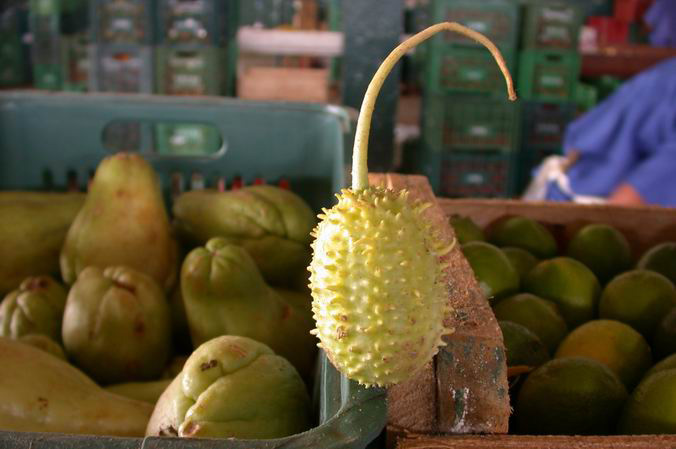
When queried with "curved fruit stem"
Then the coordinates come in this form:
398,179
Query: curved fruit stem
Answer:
361,140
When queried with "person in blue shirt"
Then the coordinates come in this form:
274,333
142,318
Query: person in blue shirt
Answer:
625,146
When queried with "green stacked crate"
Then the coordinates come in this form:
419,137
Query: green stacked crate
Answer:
76,62
45,26
549,68
470,123
190,71
477,134
549,76
197,51
552,24
549,64
196,55
543,129
123,37
11,54
466,70
470,130
457,64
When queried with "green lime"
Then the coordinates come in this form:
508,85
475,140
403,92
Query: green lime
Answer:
521,259
523,348
663,365
569,284
651,408
603,249
524,233
664,338
640,298
660,258
539,316
614,344
466,230
570,396
496,275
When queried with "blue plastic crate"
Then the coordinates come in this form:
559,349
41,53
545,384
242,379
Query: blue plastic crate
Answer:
61,136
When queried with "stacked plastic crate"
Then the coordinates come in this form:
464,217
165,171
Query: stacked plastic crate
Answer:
75,38
45,27
196,48
549,68
60,57
469,128
195,55
12,66
122,51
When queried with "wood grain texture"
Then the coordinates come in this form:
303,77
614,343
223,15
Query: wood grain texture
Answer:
537,442
471,372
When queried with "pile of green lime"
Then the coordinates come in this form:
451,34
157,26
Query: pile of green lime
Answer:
589,325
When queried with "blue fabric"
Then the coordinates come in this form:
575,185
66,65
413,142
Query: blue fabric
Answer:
662,20
628,138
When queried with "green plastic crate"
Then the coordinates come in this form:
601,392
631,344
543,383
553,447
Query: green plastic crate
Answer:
455,123
203,23
553,25
76,62
472,174
48,76
544,124
122,68
497,19
548,75
586,96
123,22
192,71
11,60
465,70
49,135
266,13
44,20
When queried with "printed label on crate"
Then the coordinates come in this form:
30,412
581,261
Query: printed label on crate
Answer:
478,25
479,131
497,22
474,179
121,24
552,81
556,33
558,15
476,175
548,129
473,74
187,81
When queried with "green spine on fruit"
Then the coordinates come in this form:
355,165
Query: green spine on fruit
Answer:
379,297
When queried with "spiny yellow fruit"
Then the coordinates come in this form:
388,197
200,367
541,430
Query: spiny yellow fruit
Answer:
379,295
379,300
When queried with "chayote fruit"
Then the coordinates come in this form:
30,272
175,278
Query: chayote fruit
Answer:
116,325
225,294
271,223
36,307
233,387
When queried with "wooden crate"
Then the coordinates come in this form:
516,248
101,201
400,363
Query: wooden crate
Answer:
643,226
284,84
464,389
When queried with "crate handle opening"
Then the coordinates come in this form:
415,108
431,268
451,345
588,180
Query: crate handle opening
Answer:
164,138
